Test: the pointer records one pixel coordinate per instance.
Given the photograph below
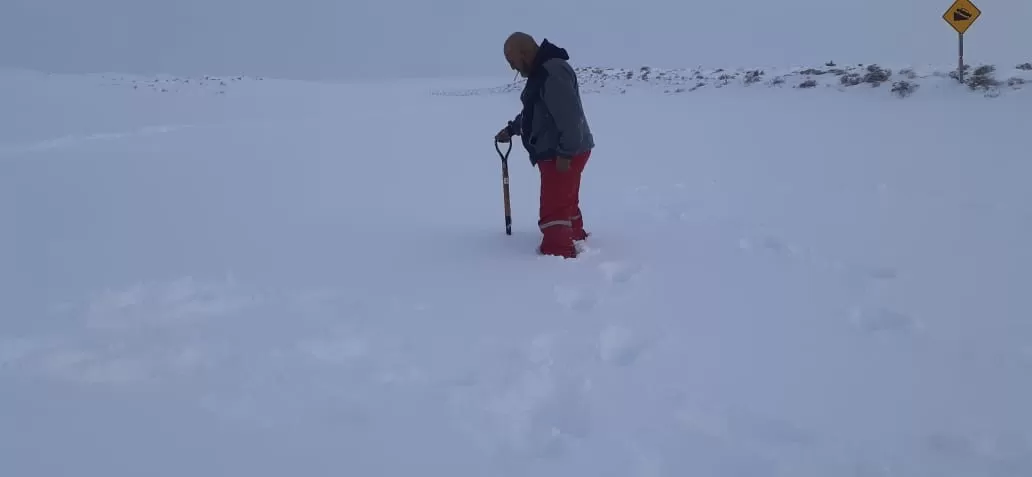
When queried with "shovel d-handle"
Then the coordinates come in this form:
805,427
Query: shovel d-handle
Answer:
503,155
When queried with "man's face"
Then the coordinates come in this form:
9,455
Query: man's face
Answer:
516,60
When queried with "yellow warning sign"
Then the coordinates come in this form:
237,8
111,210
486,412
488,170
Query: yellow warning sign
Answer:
961,15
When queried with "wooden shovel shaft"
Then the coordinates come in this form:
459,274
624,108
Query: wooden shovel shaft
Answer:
505,194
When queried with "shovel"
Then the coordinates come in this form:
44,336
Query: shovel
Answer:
505,185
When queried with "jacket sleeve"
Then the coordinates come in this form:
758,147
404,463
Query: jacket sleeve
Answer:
514,126
559,93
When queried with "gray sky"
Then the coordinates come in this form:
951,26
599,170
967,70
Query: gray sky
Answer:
342,39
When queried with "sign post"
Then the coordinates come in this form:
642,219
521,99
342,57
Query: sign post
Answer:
961,15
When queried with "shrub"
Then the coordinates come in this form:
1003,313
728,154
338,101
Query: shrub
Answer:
983,78
850,79
876,75
904,88
752,76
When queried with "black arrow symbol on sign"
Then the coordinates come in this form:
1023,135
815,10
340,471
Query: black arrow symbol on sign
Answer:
961,15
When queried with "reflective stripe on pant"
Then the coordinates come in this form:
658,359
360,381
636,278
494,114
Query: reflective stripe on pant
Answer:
556,223
559,213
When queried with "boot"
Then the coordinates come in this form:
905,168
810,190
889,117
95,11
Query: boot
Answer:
558,241
578,229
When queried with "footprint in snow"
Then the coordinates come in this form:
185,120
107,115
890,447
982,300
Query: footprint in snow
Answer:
673,212
535,408
580,298
853,274
186,301
584,250
335,351
950,445
1004,450
880,319
575,298
90,367
13,350
770,244
863,278
872,468
618,272
619,346
740,425
778,245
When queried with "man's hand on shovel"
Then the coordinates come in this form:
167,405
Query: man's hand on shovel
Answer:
503,135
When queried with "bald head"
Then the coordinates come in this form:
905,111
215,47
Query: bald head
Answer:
520,50
519,40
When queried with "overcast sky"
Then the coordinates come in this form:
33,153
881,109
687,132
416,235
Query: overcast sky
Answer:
341,39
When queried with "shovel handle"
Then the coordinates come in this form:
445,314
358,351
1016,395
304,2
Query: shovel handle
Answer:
504,155
505,185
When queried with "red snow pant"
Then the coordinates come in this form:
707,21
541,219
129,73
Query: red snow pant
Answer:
560,215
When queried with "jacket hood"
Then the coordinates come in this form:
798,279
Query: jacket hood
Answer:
548,51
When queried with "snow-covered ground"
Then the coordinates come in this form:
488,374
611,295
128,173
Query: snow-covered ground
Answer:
255,277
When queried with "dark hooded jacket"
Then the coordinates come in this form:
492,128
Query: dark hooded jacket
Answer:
552,123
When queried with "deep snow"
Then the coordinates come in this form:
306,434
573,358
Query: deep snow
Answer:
255,277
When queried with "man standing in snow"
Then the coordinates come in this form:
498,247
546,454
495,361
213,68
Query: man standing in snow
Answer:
555,134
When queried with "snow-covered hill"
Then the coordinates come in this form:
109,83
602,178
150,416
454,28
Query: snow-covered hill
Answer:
255,277
901,82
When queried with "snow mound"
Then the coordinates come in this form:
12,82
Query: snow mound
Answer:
166,84
175,84
901,82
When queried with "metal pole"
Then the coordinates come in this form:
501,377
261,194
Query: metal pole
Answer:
960,61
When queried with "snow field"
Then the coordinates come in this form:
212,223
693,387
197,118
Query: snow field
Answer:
305,279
